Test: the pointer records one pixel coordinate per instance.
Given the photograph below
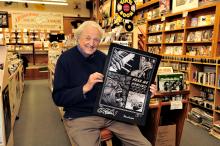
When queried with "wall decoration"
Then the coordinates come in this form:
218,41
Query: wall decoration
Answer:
164,6
3,19
126,8
37,21
105,9
181,5
125,92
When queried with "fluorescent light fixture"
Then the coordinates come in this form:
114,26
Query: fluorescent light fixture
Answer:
49,2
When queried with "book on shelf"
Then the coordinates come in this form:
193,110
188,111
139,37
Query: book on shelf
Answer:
207,35
198,36
194,22
191,37
206,20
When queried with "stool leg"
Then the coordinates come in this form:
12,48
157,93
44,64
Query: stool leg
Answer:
108,142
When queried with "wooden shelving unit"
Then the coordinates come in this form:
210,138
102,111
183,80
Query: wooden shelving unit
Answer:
11,91
180,55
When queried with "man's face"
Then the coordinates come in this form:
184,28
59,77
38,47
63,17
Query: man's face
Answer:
89,40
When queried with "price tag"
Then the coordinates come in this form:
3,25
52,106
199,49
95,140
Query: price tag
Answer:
185,13
163,18
176,105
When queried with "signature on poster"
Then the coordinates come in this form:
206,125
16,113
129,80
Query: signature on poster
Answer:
107,111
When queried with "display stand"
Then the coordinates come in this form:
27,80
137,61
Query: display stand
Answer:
4,140
160,114
11,91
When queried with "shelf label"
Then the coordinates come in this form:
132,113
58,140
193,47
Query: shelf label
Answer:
163,18
185,13
176,105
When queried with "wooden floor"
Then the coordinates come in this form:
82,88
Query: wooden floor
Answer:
39,122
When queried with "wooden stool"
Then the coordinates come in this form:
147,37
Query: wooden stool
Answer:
106,136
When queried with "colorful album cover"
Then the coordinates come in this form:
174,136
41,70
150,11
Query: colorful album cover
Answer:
170,82
125,93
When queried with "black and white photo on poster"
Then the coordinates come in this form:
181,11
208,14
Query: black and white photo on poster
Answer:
115,90
128,63
125,93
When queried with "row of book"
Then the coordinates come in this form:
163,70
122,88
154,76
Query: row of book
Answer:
203,20
177,24
216,128
199,50
201,117
195,36
19,48
202,102
155,39
200,36
173,50
155,28
176,66
205,78
174,38
147,14
154,49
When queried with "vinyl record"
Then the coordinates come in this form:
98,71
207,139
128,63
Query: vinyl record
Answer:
129,26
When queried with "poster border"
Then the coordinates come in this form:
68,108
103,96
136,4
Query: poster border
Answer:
141,118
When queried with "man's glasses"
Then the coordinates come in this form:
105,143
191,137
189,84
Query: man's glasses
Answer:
88,39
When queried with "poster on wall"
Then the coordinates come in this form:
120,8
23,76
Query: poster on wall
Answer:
105,8
7,112
125,92
3,19
182,5
164,6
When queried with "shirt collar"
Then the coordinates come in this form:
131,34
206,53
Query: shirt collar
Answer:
86,58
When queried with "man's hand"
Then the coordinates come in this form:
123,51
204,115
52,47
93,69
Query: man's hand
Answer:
93,79
153,89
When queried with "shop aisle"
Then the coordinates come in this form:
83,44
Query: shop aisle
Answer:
39,121
40,125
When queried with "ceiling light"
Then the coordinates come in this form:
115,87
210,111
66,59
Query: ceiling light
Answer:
51,2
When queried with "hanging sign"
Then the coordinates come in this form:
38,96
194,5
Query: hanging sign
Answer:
37,21
126,8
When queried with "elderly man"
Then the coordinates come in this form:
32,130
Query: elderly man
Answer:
77,74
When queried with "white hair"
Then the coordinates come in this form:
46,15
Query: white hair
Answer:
85,24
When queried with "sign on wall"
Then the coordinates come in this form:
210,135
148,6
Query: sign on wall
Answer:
37,21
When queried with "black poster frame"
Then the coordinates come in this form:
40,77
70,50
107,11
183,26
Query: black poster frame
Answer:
125,92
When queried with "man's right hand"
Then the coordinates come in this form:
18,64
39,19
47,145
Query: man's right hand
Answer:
93,79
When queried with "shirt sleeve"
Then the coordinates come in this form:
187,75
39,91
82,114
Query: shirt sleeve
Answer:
63,94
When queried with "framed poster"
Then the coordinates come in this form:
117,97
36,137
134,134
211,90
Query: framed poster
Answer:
182,5
169,82
3,19
125,94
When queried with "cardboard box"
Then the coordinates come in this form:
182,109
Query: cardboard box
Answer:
166,135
